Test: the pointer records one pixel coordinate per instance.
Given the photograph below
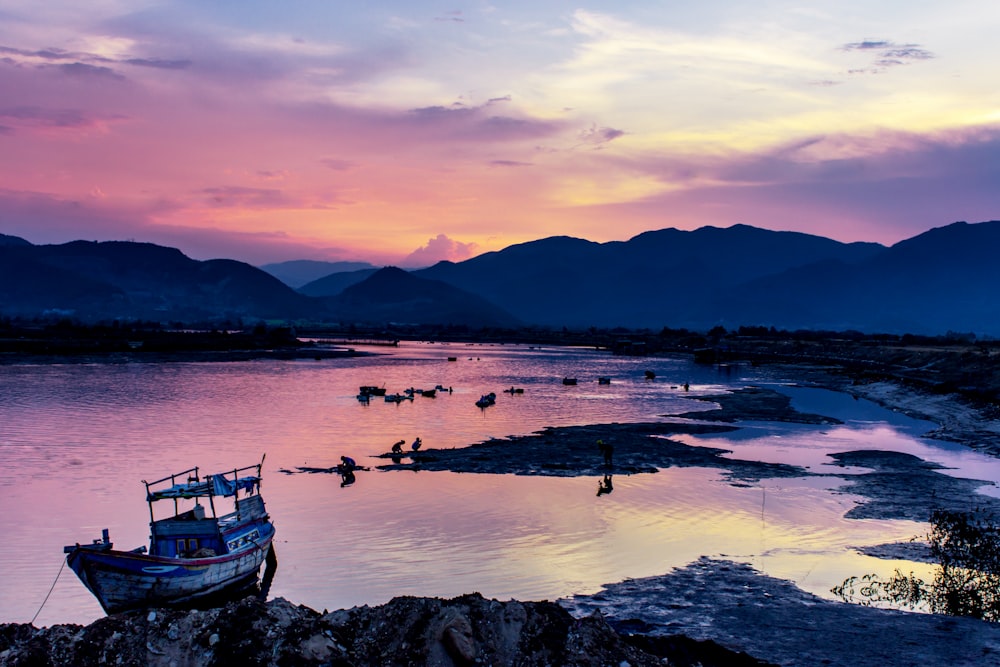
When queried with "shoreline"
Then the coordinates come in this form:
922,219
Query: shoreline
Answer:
739,611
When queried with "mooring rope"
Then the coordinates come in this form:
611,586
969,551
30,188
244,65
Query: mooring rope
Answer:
51,588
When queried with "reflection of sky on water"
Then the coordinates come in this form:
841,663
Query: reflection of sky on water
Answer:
77,440
872,427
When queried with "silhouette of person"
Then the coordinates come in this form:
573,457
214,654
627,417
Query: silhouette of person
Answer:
605,486
416,444
397,447
607,449
347,464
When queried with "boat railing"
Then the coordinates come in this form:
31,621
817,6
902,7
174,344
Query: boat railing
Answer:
189,484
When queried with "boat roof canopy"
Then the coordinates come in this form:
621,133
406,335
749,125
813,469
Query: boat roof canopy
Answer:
212,485
225,484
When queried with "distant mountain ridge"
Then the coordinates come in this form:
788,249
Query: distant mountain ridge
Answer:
125,280
394,295
299,272
939,281
654,279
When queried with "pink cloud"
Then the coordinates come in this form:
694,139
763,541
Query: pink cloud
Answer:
437,249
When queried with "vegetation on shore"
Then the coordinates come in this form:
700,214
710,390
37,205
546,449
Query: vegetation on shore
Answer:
966,548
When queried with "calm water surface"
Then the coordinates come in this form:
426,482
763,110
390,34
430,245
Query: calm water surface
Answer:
76,441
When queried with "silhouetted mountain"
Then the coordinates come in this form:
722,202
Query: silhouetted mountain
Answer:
299,272
335,283
7,240
116,279
944,279
394,295
655,279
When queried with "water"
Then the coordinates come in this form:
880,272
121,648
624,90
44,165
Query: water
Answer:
76,441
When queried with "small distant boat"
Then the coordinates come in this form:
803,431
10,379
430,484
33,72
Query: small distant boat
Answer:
514,390
603,380
650,375
452,358
429,393
486,400
569,381
372,390
398,398
192,557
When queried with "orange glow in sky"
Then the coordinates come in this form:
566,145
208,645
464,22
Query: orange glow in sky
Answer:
403,133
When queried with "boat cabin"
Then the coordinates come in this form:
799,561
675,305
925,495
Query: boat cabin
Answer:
201,533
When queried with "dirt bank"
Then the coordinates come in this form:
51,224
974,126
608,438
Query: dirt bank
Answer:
426,632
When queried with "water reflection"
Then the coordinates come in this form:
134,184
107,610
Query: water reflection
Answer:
605,486
76,440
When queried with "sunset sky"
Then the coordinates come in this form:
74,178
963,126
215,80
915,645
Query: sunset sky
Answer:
404,132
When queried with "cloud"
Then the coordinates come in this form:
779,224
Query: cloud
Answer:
244,197
597,136
888,54
337,164
43,218
85,70
158,63
881,187
29,117
464,123
454,16
437,249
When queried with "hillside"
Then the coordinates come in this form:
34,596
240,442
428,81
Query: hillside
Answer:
394,295
126,280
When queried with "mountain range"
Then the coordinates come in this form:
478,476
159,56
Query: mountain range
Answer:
939,281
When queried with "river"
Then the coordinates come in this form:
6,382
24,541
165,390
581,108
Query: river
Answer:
77,439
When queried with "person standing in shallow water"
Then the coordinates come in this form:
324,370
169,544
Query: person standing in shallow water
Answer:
607,449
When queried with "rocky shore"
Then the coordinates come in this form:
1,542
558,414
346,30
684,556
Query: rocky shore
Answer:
468,630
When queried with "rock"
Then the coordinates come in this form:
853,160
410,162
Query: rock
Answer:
458,641
432,632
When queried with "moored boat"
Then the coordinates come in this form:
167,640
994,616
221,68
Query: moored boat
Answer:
192,558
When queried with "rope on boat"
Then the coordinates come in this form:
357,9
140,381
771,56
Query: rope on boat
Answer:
51,588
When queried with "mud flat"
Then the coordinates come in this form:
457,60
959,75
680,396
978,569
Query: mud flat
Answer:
777,623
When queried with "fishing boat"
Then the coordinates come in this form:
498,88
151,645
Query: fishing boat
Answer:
192,558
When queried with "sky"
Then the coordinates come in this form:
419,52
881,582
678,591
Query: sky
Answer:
406,132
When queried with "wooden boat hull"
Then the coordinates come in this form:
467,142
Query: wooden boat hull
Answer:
124,580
